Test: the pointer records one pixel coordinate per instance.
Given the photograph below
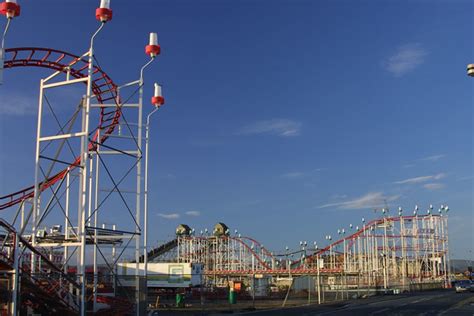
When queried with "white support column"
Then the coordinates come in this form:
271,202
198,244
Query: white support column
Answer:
36,198
96,218
15,278
83,187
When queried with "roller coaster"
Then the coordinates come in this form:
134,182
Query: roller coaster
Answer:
385,252
83,162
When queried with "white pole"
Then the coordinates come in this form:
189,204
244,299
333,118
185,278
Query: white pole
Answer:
145,202
83,171
385,254
96,219
16,276
319,281
138,193
2,50
37,193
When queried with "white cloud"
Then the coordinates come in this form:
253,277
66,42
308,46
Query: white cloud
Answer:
338,196
433,186
293,175
421,179
369,200
193,213
279,127
300,174
406,58
18,105
169,216
432,158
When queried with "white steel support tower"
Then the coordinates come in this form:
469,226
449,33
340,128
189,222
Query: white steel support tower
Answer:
83,214
392,252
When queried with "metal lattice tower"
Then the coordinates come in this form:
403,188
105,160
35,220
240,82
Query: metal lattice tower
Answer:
84,213
385,252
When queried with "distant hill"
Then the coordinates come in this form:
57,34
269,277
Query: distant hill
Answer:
460,265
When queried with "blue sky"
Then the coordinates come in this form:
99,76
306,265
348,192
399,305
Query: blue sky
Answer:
284,119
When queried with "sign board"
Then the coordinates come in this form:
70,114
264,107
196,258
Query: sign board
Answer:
169,275
321,263
331,280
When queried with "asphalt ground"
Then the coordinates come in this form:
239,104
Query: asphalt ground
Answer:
440,302
422,304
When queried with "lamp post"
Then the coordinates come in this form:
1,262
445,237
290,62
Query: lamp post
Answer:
470,70
430,243
339,232
329,238
288,262
317,267
415,234
9,9
447,265
157,100
385,249
253,275
303,245
402,235
343,232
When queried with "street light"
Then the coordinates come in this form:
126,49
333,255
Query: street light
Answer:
329,238
470,70
343,232
317,268
9,9
157,100
304,263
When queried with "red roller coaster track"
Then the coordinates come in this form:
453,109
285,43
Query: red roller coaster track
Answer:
104,89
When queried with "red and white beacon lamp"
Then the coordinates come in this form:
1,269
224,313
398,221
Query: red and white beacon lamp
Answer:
153,49
104,13
10,9
157,100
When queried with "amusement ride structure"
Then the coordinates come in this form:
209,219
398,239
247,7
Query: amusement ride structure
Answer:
391,251
82,162
60,253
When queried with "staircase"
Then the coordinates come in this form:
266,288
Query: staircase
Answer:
47,292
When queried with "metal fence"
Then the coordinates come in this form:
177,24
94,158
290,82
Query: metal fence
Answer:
260,293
